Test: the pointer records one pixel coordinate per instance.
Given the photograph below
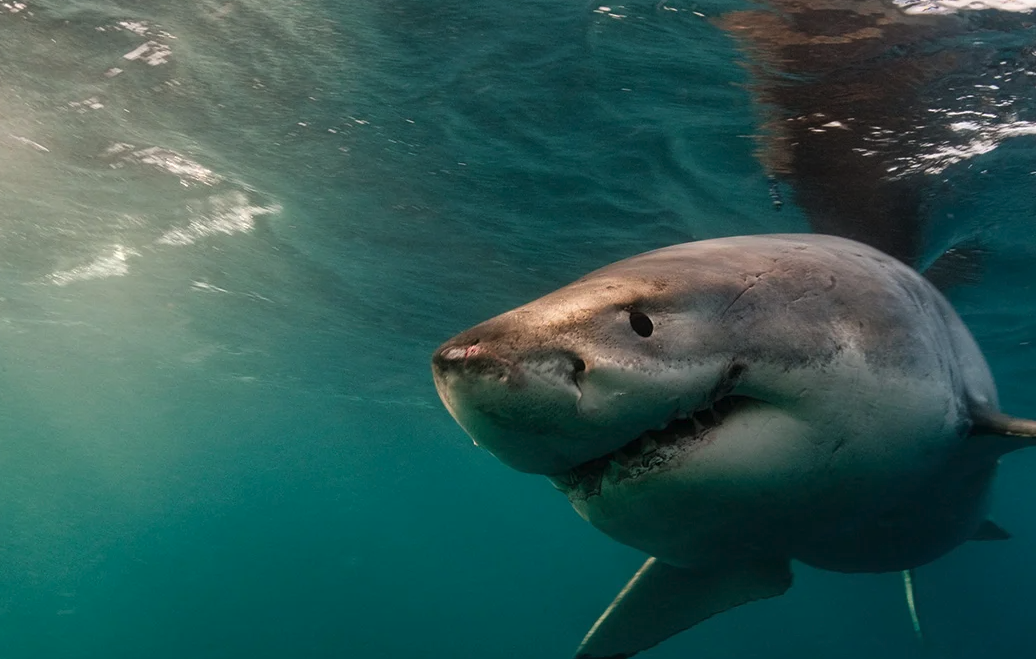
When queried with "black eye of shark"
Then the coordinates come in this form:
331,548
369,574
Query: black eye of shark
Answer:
641,324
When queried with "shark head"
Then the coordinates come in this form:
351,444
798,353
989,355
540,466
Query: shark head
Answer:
590,368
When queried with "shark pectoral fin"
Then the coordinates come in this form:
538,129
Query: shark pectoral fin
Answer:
996,423
661,600
1022,432
986,531
991,531
915,620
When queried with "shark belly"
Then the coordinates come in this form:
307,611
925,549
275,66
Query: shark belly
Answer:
942,513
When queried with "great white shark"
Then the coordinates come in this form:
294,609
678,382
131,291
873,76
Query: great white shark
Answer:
729,406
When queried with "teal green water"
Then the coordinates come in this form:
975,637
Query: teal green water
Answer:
231,235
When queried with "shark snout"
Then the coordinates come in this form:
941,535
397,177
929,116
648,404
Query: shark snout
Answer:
517,397
470,355
470,359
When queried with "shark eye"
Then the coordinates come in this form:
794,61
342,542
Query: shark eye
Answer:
641,324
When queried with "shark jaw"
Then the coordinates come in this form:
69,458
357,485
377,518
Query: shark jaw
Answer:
651,450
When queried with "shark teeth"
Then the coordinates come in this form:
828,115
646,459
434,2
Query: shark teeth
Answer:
647,452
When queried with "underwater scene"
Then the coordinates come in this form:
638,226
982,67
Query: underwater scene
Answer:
251,409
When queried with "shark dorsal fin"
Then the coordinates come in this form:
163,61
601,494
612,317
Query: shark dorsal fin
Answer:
959,265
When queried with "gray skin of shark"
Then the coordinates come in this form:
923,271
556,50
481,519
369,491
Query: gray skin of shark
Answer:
729,405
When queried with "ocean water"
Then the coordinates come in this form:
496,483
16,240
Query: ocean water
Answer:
233,231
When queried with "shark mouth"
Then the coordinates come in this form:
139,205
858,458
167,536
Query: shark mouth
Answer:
649,451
